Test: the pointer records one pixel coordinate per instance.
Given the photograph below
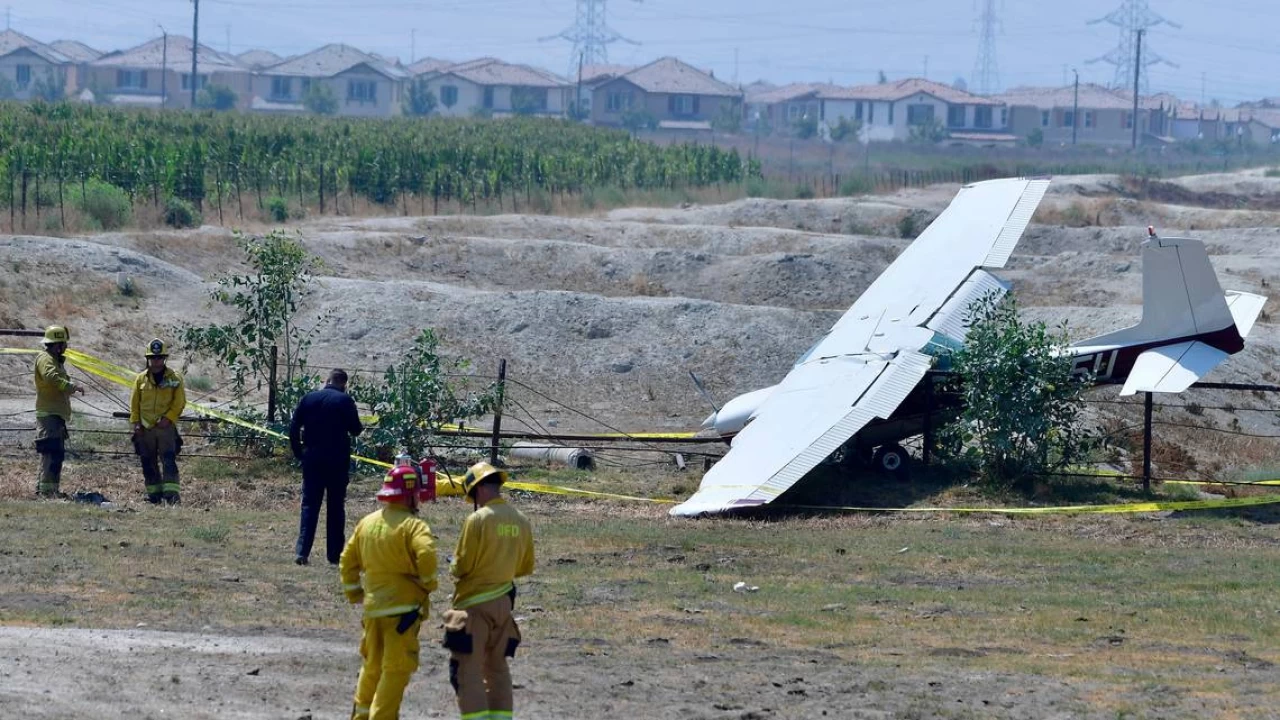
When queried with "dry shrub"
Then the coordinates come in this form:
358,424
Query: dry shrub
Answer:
642,285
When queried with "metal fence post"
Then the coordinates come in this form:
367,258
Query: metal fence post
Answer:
271,384
497,413
1146,444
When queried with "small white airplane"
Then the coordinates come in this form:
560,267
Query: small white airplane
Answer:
859,387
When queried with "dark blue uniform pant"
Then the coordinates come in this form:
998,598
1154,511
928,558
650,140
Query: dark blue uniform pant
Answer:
321,478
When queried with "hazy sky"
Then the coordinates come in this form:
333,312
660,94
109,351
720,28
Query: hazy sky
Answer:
1228,45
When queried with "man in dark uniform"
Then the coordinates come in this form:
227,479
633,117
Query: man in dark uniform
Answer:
320,435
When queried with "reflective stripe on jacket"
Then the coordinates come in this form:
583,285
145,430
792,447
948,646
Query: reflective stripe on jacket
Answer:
495,548
150,401
390,559
53,386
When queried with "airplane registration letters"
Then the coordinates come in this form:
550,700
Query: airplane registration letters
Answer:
1101,364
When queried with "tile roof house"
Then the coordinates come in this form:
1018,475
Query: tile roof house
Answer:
1105,115
490,86
674,94
29,67
363,84
76,50
892,110
427,65
157,73
257,59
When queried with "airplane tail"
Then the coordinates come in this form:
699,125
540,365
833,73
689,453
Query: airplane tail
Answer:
1188,325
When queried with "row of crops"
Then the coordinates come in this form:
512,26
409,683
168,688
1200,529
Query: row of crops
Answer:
194,156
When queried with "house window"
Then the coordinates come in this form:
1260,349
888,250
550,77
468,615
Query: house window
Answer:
23,76
891,112
362,91
795,111
955,115
282,87
919,114
683,105
306,86
857,111
488,98
1126,121
131,79
871,113
982,116
1044,118
1004,117
1068,118
1088,118
618,101
449,95
527,99
186,81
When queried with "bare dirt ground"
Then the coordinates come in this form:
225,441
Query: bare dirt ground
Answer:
602,317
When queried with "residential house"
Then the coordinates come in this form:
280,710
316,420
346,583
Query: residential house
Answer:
675,95
427,65
590,76
257,59
80,55
363,84
779,107
1098,116
494,87
893,110
157,73
32,67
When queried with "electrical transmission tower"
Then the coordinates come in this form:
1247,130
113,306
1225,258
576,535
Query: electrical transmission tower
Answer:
986,74
590,34
1130,17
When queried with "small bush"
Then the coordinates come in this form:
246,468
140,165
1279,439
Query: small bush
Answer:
278,209
804,192
179,213
201,383
907,227
856,186
107,205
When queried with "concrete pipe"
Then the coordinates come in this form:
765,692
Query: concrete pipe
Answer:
577,458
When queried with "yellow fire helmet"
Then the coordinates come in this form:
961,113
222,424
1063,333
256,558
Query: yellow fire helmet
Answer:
157,348
56,334
477,474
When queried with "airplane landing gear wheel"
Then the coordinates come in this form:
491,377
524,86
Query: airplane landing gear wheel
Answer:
891,460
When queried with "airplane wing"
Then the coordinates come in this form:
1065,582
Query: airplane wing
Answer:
871,360
1172,368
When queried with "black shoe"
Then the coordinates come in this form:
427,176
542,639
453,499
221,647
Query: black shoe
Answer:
153,499
172,498
300,561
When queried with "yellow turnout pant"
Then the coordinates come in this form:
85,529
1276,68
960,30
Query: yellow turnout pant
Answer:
478,667
390,659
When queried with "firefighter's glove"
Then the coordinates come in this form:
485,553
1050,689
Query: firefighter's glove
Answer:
407,620
355,597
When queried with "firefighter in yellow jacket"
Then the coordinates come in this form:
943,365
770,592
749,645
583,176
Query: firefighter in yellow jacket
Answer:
495,548
389,564
158,399
53,408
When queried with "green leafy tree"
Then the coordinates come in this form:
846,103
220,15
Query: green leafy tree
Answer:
729,120
47,88
319,99
1035,138
528,101
881,78
635,120
216,97
8,90
415,398
1022,410
846,129
805,127
267,301
928,133
418,99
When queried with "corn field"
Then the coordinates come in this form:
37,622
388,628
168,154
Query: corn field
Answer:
47,150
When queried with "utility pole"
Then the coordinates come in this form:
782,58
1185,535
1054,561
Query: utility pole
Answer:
578,92
195,43
164,67
926,67
1131,16
1075,108
986,72
1137,76
590,34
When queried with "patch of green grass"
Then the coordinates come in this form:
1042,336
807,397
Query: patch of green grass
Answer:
211,533
201,383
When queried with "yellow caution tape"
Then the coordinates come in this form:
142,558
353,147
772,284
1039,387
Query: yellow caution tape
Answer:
561,490
1074,509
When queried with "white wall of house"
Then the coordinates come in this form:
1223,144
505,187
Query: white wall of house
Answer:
873,114
364,93
23,67
455,97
